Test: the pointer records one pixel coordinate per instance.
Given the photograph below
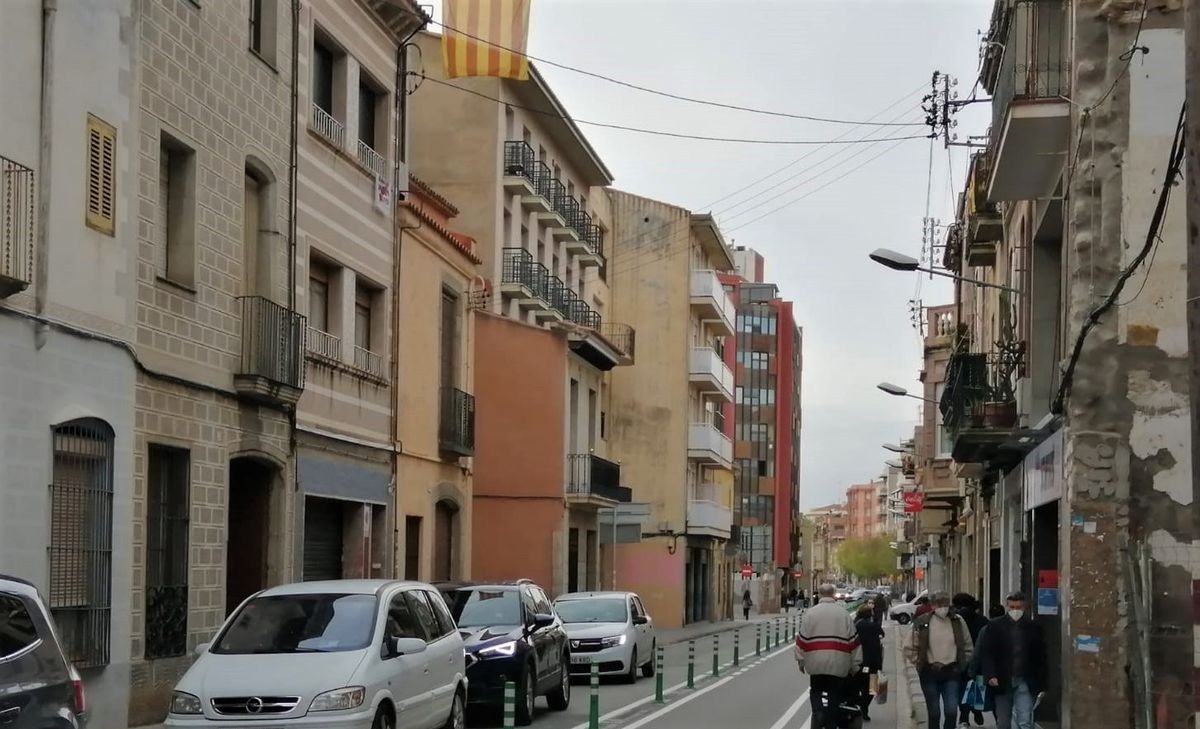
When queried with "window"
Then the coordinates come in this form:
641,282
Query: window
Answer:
286,624
402,620
322,80
541,601
81,496
167,505
262,29
529,605
101,175
449,338
19,631
441,612
424,614
258,234
603,424
368,102
412,547
318,296
591,418
758,360
176,212
945,442
362,317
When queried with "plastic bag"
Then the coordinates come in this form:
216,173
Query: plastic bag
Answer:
880,688
974,696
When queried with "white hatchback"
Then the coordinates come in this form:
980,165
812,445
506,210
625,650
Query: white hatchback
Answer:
359,654
611,629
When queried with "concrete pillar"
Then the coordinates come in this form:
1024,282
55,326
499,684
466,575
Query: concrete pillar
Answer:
342,289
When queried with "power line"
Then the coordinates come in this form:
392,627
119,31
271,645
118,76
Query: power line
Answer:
655,132
665,94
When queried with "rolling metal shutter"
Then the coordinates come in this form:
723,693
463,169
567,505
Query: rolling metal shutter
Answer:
322,539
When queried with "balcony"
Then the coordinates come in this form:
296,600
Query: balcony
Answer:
709,446
456,423
272,364
622,337
369,362
536,201
523,279
371,160
984,227
602,345
595,482
328,128
519,160
709,373
979,409
593,255
554,301
712,302
553,190
323,345
17,216
1029,75
706,516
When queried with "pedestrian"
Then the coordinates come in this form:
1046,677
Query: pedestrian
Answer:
976,668
793,598
828,650
923,606
966,607
747,603
941,649
1013,663
880,603
870,634
801,601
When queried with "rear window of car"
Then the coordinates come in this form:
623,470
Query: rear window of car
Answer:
321,623
478,608
17,629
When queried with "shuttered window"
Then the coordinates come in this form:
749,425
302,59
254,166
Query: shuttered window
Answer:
101,175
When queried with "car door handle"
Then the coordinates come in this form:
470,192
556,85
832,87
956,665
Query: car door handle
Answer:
9,715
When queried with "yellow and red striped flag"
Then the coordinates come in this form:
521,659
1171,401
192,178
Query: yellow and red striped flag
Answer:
485,38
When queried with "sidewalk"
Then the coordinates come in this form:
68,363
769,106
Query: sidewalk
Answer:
696,631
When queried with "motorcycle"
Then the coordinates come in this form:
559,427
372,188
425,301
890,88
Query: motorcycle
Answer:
835,712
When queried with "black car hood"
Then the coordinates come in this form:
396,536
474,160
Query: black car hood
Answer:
476,638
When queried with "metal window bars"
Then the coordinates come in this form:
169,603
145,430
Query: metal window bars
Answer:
17,216
167,547
1036,61
456,424
518,160
273,338
80,544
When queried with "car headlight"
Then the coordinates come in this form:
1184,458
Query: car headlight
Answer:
182,703
341,699
503,649
613,641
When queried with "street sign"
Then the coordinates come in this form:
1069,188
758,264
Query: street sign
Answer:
747,571
914,501
798,574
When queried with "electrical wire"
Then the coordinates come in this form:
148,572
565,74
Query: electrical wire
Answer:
655,132
1175,162
664,94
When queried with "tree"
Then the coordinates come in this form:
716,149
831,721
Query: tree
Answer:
867,559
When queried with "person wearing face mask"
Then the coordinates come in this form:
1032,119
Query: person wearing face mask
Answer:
1013,661
941,649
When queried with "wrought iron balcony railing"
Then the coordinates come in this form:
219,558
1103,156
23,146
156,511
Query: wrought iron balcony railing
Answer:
517,267
543,181
591,475
592,238
519,159
369,362
456,426
327,126
568,208
371,160
621,336
273,342
324,344
17,215
166,620
1036,61
540,282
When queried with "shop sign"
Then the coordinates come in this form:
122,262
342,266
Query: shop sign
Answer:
914,502
1043,471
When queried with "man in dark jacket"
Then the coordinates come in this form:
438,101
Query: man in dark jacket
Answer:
880,603
1013,664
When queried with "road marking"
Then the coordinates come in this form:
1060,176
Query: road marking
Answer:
807,722
647,699
670,707
792,711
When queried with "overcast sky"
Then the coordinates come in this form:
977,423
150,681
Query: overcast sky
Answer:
845,59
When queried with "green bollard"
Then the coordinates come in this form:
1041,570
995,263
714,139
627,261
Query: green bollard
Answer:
758,639
736,634
510,705
658,676
594,704
775,624
691,678
716,649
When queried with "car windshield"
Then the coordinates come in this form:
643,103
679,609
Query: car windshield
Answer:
324,623
597,610
480,608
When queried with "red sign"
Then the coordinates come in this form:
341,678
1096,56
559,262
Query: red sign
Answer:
798,574
919,573
747,571
1047,578
914,501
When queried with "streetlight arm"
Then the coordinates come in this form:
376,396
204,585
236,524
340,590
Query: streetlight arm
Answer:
969,280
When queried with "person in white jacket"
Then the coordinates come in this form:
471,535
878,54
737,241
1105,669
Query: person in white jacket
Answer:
828,649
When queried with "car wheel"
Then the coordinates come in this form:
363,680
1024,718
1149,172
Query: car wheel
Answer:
560,698
383,719
903,618
526,698
631,676
648,669
458,718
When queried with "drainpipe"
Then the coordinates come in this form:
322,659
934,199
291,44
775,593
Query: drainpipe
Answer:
294,155
45,132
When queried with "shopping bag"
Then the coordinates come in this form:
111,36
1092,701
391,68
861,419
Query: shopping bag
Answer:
973,695
881,688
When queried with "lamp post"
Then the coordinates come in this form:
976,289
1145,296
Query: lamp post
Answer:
898,391
900,262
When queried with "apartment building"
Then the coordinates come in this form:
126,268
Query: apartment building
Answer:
438,275
830,527
862,510
672,421
529,188
68,231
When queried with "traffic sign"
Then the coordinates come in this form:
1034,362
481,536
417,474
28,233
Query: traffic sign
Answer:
747,571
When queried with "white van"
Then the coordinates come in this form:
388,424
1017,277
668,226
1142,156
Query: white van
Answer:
359,654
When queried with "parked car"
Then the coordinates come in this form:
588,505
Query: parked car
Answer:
39,688
512,634
338,653
611,629
904,612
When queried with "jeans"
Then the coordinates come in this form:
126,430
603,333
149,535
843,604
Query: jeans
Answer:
942,694
1014,708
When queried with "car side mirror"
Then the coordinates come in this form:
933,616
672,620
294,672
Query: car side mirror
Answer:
641,620
542,620
398,646
201,649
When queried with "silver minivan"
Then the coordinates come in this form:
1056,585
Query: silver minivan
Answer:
359,654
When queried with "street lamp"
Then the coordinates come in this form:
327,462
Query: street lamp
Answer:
898,391
900,262
896,448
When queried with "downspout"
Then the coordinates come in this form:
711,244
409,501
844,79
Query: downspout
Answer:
294,154
45,133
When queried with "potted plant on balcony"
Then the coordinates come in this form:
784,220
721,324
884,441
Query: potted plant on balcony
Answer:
1000,410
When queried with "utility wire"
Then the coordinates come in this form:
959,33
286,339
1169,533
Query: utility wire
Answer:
666,94
655,132
1175,162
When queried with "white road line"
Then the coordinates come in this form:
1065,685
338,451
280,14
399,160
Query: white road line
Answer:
792,711
807,722
671,707
672,689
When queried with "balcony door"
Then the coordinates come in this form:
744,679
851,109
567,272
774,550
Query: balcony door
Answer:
449,339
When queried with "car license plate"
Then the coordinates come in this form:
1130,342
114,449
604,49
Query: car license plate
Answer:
581,659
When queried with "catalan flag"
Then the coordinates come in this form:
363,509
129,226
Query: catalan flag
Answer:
485,38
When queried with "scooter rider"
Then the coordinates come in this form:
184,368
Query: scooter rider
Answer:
828,649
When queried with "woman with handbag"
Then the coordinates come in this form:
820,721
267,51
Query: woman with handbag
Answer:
870,635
